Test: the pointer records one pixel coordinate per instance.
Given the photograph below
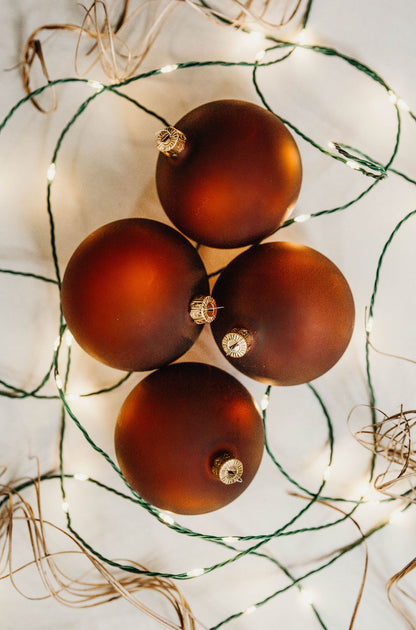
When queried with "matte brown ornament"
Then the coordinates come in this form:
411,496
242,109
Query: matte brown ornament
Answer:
292,304
234,179
189,438
127,293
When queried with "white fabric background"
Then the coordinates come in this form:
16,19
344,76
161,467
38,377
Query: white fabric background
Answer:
105,171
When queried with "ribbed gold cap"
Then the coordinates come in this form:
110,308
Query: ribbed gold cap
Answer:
236,343
170,141
203,309
227,468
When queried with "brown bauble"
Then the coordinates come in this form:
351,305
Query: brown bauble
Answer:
237,178
126,294
292,304
175,426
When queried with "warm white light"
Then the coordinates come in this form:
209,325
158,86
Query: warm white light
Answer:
96,85
72,397
195,572
393,97
364,490
301,38
166,518
396,516
170,68
81,476
369,325
327,472
331,145
68,338
57,343
230,540
260,55
256,36
65,507
403,105
374,502
307,597
353,164
51,172
249,610
301,218
58,381
264,402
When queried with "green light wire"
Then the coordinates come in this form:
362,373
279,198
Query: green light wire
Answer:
367,166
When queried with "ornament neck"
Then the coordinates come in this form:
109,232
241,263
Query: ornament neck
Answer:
227,469
203,309
170,141
237,343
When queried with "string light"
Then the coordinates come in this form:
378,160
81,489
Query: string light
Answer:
96,85
396,516
58,381
68,338
65,507
51,172
195,572
260,55
170,68
230,540
403,105
250,610
166,518
369,325
307,597
301,37
256,36
72,397
264,403
353,164
80,476
327,473
301,218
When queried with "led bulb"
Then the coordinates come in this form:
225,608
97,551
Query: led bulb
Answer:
65,507
195,572
170,68
307,597
249,610
264,402
96,85
51,172
301,218
166,518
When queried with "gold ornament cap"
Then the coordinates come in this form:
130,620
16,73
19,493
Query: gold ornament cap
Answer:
203,309
227,468
236,343
170,141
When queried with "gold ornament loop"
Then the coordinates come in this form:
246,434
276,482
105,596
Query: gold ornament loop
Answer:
227,468
170,141
203,309
236,343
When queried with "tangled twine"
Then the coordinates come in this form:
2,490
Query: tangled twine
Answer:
111,32
84,591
